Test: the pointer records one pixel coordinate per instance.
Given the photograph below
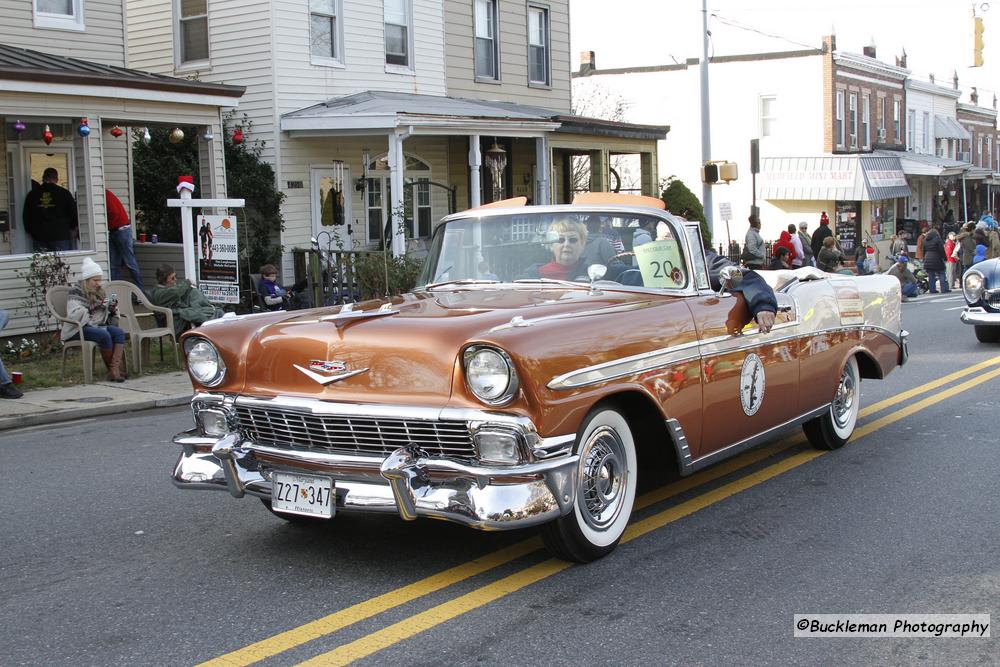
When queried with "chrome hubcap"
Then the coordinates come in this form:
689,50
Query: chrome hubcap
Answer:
844,400
603,478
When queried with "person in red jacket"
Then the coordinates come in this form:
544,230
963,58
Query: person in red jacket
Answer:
785,241
120,239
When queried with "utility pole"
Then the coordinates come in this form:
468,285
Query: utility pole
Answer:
706,132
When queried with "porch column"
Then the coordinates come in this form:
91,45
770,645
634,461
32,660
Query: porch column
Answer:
599,174
475,164
543,191
397,165
209,178
649,175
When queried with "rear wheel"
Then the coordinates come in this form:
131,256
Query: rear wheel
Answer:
987,334
606,479
833,429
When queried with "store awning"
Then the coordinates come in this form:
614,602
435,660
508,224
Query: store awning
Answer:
833,178
924,164
949,128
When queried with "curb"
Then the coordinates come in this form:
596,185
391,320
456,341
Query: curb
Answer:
95,410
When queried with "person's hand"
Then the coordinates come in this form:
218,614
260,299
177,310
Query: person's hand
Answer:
765,320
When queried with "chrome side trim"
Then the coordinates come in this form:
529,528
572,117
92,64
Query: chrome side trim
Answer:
710,347
519,321
632,365
687,466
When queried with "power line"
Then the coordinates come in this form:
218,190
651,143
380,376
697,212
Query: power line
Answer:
742,26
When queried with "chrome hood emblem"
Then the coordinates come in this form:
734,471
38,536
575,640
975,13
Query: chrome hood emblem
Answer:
319,370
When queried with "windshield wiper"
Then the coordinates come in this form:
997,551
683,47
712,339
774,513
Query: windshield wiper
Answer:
462,281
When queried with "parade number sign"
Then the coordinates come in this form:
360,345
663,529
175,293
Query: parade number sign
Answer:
660,264
218,267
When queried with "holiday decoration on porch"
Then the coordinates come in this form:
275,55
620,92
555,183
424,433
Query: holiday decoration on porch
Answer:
47,135
84,129
176,135
117,132
146,138
19,127
238,136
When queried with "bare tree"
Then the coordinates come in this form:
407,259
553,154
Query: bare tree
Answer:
597,101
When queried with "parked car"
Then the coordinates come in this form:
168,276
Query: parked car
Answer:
497,396
981,288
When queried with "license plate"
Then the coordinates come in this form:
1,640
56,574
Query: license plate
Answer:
308,495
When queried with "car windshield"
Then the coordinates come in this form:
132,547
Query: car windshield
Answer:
633,249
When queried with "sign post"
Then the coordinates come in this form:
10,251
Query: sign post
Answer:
726,213
185,186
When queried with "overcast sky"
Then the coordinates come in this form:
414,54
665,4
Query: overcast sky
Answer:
937,34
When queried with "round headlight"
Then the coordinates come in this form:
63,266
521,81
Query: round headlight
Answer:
490,375
972,286
204,362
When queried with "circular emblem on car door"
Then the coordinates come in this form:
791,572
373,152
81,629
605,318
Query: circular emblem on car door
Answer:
752,384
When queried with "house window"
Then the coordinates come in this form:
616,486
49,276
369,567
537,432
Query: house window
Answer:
59,14
911,128
192,31
979,151
865,121
896,131
854,120
487,52
768,115
988,157
538,45
325,36
881,119
417,214
925,133
840,119
396,15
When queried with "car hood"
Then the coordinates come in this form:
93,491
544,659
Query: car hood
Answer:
409,355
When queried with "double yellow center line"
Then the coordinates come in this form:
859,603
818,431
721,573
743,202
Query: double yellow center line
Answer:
441,613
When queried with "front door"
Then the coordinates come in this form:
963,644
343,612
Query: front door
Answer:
36,157
331,210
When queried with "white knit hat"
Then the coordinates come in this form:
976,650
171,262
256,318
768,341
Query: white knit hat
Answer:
90,269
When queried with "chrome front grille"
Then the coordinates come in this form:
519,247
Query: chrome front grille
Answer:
992,299
352,434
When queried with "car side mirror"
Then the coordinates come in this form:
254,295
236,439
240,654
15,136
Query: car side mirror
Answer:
729,277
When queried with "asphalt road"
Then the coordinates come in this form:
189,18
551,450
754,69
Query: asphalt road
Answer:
104,562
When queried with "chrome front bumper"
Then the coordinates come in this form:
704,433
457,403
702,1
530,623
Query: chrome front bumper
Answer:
488,497
980,316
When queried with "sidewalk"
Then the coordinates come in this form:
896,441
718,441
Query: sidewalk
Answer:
49,406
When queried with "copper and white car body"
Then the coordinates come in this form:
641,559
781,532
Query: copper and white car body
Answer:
405,406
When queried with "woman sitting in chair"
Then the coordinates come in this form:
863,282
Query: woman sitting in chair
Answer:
93,311
191,308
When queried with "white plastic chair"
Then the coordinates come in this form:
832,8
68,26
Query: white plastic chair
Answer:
138,319
55,299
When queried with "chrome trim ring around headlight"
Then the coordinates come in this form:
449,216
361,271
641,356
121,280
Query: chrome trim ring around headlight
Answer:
512,381
220,370
970,290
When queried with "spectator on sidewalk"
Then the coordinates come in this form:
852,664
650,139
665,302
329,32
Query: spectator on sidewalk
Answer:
907,280
829,258
808,259
754,255
951,266
191,308
7,388
780,260
50,215
934,261
821,233
120,240
91,310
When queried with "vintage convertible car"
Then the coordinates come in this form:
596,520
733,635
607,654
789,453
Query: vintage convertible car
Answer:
498,396
981,287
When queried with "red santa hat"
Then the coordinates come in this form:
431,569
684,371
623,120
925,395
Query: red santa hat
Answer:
185,183
823,220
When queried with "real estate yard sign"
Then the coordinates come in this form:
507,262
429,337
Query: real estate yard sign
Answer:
218,267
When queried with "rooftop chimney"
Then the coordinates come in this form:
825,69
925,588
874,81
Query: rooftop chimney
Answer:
830,43
974,96
994,100
588,62
954,79
870,49
931,77
901,60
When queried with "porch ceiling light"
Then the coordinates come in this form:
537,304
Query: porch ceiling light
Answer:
366,158
496,158
207,134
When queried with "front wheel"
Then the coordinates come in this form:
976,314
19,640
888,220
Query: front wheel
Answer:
987,334
834,428
606,479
